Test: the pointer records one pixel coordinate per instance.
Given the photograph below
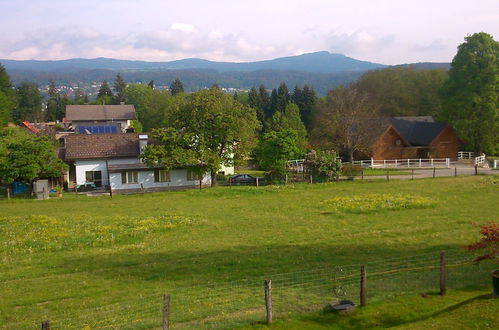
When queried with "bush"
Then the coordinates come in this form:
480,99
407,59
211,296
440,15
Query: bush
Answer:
323,164
489,243
351,170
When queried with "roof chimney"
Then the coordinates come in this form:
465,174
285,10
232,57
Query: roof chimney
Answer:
142,142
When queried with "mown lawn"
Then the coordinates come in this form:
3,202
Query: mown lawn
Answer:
74,255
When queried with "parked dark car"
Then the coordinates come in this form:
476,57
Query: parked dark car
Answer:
242,179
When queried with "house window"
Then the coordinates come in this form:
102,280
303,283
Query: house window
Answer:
161,176
129,177
94,177
193,175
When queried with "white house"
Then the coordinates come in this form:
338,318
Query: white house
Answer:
113,160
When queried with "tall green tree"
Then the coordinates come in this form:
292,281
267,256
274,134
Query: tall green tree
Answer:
469,96
29,105
105,95
119,88
8,98
27,157
283,97
176,87
220,129
289,119
274,150
52,103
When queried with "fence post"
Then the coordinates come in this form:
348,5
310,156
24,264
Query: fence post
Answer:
387,175
447,162
431,162
362,174
395,163
408,162
412,174
46,325
476,169
166,312
268,300
419,162
311,179
257,184
286,182
8,192
384,163
455,171
433,172
363,285
443,274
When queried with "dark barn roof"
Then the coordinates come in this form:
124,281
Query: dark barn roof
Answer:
100,112
417,132
91,146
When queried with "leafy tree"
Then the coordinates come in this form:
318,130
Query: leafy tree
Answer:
137,94
105,92
217,129
346,119
469,95
289,119
119,87
274,150
176,87
27,157
7,97
29,103
404,91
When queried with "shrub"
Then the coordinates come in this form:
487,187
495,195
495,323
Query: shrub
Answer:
323,164
489,243
351,170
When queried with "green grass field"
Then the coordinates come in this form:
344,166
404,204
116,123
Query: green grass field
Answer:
106,260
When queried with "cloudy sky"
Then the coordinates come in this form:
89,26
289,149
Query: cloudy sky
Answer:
383,31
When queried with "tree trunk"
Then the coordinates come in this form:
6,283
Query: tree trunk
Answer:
213,178
350,156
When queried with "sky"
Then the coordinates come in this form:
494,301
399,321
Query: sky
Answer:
382,31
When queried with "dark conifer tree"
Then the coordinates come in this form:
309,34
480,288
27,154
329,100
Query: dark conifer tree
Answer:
282,97
176,87
104,90
119,87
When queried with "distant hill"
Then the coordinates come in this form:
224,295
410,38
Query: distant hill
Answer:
322,70
323,62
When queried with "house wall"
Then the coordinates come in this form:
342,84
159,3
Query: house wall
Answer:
446,145
81,166
386,147
178,179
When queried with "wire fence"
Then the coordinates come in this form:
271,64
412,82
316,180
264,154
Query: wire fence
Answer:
242,302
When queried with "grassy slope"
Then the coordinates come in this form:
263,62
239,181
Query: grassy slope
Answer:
89,251
457,310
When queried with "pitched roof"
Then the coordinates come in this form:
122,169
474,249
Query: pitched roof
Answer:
417,132
100,112
92,146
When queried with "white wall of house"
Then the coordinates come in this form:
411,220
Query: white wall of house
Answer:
178,178
83,166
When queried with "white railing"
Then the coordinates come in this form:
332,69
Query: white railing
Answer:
404,163
496,163
465,155
480,160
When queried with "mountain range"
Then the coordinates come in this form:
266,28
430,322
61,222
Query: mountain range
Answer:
322,70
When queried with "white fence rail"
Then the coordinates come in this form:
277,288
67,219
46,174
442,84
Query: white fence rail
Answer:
465,155
297,165
480,160
405,163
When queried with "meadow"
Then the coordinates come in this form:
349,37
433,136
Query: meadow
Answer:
82,255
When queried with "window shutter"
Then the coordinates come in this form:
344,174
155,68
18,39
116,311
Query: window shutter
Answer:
123,177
